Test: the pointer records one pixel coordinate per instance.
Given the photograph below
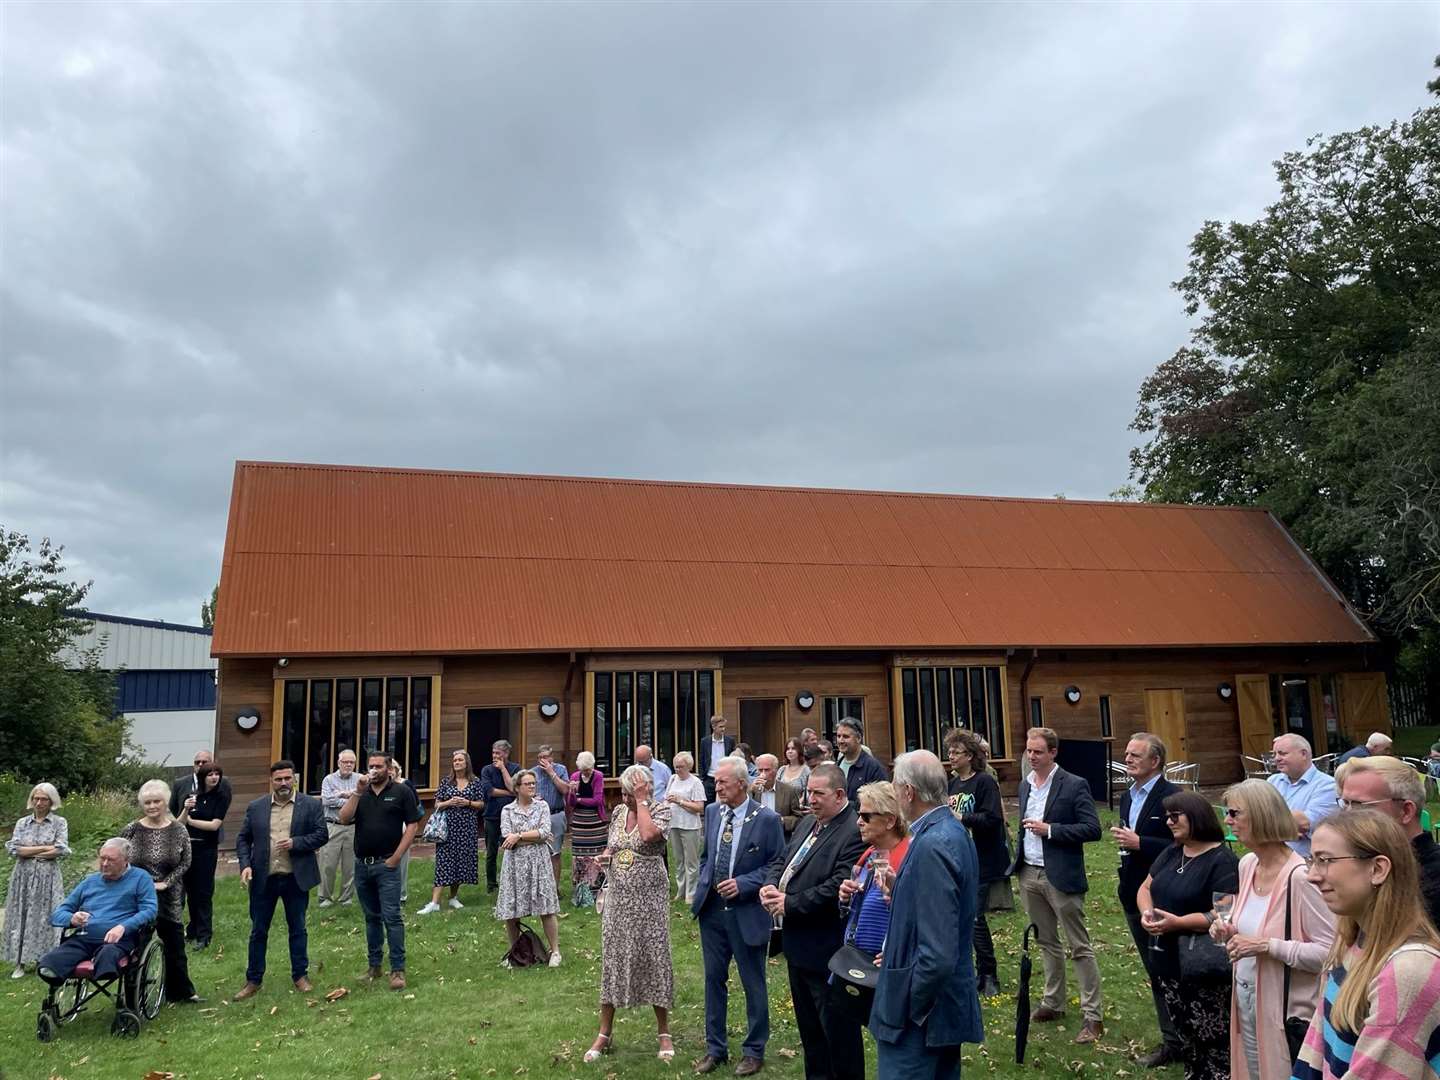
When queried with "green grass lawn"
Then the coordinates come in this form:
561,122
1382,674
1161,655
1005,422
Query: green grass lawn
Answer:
464,1016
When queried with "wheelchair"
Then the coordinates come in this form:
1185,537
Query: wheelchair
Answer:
138,990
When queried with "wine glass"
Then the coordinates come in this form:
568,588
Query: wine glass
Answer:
1224,905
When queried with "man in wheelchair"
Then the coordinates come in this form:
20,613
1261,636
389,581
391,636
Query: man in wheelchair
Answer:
108,909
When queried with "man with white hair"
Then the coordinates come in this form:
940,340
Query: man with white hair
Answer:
109,908
1377,745
784,799
1307,791
338,854
742,839
926,1003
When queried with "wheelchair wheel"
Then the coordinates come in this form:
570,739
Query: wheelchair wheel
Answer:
149,985
67,1001
126,1024
45,1027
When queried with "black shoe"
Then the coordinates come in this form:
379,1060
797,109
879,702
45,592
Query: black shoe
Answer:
989,986
1161,1055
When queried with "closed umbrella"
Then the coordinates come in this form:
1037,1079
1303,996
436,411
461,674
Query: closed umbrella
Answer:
1022,997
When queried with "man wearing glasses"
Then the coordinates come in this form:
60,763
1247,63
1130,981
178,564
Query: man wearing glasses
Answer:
1392,787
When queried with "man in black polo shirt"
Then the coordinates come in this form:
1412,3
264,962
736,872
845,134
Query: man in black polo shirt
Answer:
386,816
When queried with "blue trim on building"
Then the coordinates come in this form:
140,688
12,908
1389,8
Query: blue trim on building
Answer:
163,691
153,624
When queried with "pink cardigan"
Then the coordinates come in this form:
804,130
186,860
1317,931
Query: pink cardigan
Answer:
1312,929
594,798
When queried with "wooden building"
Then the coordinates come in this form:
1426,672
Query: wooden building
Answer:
421,611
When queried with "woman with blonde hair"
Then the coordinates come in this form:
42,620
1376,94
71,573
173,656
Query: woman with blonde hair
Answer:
686,798
160,846
1381,1016
1277,935
40,838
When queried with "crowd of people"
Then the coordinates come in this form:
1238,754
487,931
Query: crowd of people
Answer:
874,889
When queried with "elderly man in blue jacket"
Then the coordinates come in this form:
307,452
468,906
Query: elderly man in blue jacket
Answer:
926,1004
109,908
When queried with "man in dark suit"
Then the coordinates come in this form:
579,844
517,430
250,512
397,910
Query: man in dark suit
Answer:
785,799
280,871
742,839
717,746
800,892
1057,820
926,1004
1142,835
859,767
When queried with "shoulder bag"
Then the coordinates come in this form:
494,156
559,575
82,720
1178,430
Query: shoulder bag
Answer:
1295,1027
853,974
1202,958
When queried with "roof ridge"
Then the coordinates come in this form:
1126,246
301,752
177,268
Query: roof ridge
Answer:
733,486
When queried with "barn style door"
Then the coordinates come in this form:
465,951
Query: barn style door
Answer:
1165,714
1257,717
1363,705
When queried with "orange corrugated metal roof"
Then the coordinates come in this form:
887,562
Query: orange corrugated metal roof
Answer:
333,560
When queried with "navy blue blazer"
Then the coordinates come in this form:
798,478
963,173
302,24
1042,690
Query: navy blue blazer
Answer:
762,840
307,830
1155,837
928,977
1070,813
866,770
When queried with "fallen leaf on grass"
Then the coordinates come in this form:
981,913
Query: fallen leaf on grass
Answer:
336,994
156,1074
786,1052
274,1009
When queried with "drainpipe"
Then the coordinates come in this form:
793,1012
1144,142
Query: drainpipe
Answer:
565,695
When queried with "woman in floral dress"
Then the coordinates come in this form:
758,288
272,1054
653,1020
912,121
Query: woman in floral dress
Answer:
457,859
40,840
527,882
635,923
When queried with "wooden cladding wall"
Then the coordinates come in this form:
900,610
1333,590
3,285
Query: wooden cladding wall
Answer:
1212,724
483,681
785,675
244,755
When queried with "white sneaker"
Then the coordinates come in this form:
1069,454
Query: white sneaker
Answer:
554,959
326,903
429,908
19,972
455,903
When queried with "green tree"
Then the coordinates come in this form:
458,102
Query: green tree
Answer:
1310,383
58,721
207,609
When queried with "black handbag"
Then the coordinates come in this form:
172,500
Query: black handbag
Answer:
1202,959
853,976
1295,1027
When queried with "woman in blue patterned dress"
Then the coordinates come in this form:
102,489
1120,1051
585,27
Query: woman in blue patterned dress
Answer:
41,839
457,860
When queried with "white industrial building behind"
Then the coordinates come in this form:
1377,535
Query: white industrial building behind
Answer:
165,682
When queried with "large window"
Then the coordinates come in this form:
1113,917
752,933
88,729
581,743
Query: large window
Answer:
935,699
323,716
665,710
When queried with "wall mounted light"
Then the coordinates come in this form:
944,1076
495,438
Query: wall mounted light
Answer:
549,708
805,700
1072,695
1226,691
284,661
247,719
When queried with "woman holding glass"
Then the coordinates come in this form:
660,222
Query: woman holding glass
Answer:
1175,901
1272,895
794,771
203,815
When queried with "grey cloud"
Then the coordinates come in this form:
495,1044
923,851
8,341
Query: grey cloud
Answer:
899,246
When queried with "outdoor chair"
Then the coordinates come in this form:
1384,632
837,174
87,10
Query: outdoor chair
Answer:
1259,768
1184,774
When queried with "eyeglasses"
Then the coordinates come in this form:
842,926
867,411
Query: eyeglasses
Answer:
1356,804
1173,816
867,816
1324,861
1233,812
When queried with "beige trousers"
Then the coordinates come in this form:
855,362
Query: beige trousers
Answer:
685,859
338,853
1052,910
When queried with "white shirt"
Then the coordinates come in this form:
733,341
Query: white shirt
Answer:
692,790
1035,810
717,751
767,799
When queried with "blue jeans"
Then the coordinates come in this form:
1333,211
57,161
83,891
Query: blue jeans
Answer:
911,1059
378,888
278,888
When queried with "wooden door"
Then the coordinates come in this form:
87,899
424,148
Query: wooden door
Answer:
1363,705
1257,717
1165,715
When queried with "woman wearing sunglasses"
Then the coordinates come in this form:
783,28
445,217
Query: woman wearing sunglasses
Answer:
1174,902
1276,974
1381,1011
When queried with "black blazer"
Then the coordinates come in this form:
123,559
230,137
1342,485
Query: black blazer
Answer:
704,767
1070,813
813,927
1154,838
307,829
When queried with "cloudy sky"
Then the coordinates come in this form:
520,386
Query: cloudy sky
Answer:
909,246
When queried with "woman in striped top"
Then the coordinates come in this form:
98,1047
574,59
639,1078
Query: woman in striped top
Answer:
1380,1019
